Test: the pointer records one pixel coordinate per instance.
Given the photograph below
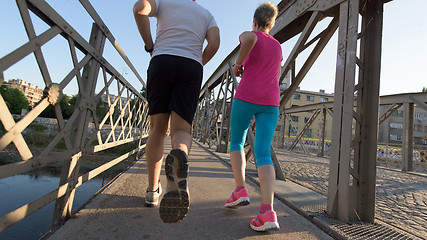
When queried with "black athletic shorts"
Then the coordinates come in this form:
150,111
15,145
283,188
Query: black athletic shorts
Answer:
173,84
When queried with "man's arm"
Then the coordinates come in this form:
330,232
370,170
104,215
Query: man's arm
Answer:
212,37
141,11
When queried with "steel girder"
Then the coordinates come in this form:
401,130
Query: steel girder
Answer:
126,120
352,171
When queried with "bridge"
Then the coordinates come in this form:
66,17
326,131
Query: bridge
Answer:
346,205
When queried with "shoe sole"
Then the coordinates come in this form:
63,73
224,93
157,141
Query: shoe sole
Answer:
268,226
175,203
241,202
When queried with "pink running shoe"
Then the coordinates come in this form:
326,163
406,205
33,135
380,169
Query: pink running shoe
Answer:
265,222
238,199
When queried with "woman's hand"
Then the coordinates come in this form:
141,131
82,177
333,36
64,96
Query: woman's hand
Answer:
237,70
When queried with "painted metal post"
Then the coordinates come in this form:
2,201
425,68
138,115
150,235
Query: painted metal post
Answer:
364,178
352,175
87,103
225,118
323,133
339,199
408,137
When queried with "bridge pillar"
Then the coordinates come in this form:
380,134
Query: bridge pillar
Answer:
368,108
322,134
87,105
408,136
352,176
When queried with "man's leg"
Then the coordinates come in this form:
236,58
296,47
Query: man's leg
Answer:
176,201
180,133
154,148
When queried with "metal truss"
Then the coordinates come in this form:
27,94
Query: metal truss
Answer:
355,108
351,194
83,133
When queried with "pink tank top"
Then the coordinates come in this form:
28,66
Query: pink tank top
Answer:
260,80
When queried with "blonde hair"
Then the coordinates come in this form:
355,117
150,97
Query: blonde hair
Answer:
266,14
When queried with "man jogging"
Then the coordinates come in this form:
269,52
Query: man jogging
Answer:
174,79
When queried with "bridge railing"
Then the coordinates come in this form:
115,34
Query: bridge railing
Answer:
125,122
358,24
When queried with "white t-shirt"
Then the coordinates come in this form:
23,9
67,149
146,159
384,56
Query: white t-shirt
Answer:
181,28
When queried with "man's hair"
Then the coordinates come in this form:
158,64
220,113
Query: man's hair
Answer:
266,14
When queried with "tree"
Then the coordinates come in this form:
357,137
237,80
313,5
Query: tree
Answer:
101,110
424,89
3,88
67,105
15,99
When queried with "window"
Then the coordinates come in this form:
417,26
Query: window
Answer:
418,116
296,96
396,125
306,119
425,128
395,137
418,128
294,118
324,99
310,98
398,113
294,130
308,133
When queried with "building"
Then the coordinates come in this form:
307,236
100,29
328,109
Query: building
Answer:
293,123
391,130
32,92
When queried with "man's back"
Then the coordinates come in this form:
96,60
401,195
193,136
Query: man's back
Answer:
181,28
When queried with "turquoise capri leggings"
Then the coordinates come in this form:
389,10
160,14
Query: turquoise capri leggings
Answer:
266,118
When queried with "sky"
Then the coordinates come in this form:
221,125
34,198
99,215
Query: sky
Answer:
403,68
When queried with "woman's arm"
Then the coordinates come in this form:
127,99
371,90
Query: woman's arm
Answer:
248,40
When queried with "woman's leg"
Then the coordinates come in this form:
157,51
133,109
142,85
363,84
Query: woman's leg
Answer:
266,122
241,116
238,164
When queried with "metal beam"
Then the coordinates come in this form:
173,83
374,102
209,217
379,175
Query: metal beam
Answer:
339,198
408,137
368,103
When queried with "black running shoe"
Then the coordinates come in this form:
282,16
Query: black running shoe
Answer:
176,201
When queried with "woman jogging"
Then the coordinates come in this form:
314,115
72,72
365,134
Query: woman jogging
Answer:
258,95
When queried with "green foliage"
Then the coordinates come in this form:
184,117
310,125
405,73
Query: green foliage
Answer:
3,89
101,110
424,89
67,105
36,138
15,99
37,127
2,130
